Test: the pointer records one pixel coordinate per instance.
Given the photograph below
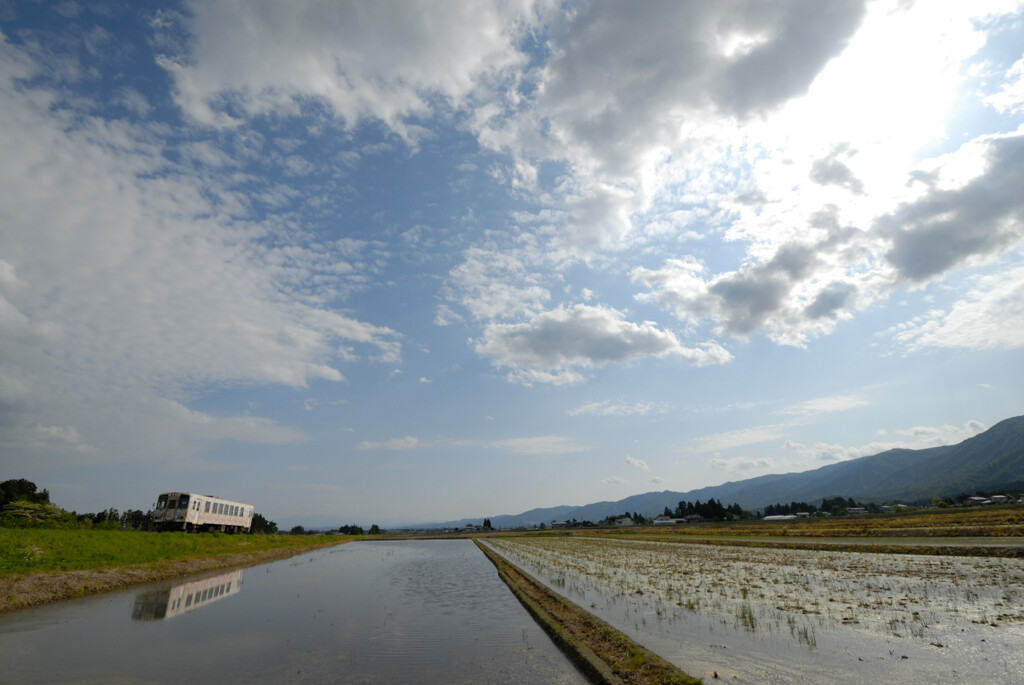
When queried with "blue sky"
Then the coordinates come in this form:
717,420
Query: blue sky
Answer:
397,262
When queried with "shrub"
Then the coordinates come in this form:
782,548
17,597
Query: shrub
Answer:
26,514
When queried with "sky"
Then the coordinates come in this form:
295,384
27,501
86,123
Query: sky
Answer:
398,262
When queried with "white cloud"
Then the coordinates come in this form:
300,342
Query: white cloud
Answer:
741,464
989,317
1010,98
387,61
637,463
556,341
398,444
624,81
609,408
972,222
614,480
145,283
968,212
826,405
917,437
494,284
740,437
540,445
60,436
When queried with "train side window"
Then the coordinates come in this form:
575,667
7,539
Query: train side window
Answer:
207,509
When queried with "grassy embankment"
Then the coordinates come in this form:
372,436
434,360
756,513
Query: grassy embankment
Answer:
40,565
605,654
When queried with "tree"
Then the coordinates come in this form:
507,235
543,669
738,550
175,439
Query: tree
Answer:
297,530
136,519
261,525
21,489
375,529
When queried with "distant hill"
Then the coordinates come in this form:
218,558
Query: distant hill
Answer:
989,460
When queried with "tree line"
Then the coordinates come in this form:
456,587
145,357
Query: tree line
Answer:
350,529
712,510
22,505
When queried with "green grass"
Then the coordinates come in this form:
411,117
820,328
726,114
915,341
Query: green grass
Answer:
34,550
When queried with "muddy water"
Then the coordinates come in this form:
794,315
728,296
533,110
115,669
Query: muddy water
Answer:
784,616
365,612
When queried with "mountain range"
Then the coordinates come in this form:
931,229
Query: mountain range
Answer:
990,460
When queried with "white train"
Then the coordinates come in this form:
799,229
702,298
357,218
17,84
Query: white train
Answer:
194,513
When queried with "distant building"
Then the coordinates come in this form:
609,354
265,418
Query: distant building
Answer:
665,520
624,521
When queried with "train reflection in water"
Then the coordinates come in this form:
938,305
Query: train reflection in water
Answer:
155,605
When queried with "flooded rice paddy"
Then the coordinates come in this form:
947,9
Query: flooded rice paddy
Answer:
759,615
364,612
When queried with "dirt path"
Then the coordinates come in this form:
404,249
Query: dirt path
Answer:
41,588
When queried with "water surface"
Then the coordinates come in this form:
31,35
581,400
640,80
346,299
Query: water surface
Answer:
769,615
389,612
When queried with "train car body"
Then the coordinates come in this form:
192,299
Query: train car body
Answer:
193,513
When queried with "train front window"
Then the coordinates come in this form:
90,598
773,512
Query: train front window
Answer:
161,502
183,502
172,504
